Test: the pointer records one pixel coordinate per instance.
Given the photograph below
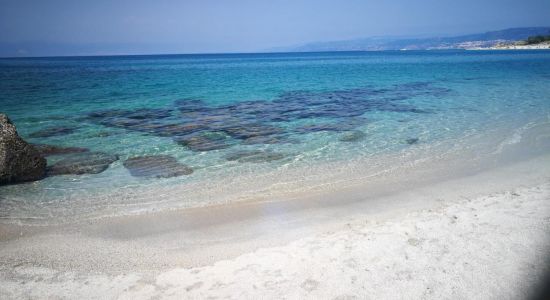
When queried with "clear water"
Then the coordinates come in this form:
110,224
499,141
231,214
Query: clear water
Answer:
382,104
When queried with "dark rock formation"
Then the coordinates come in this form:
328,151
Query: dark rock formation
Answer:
246,131
159,166
100,134
205,141
254,156
352,136
19,161
324,127
262,157
137,114
82,163
52,131
412,141
169,130
273,139
47,150
191,121
241,154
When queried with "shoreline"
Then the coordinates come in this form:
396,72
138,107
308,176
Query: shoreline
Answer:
167,253
488,241
540,46
418,165
199,236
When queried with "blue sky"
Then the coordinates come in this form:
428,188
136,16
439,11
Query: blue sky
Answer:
64,27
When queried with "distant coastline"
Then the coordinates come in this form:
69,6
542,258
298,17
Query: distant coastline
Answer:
539,46
486,40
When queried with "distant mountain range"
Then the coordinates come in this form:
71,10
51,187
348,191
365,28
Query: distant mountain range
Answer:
487,39
470,41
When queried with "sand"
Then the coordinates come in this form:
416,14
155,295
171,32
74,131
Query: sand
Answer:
489,247
477,232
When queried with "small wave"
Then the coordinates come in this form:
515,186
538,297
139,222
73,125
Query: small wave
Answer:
515,138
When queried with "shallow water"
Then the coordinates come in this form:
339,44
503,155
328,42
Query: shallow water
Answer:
251,126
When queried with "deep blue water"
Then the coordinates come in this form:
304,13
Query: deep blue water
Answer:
262,116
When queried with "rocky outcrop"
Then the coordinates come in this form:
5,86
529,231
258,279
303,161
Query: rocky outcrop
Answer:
19,161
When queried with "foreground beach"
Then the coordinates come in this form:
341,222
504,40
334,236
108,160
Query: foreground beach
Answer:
478,236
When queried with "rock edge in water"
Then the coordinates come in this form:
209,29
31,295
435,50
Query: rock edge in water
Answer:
19,160
158,166
47,150
82,163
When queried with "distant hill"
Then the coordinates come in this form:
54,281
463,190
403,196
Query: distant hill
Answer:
487,39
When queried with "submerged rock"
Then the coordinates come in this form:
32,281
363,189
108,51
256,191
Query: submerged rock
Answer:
52,131
200,126
19,160
136,114
325,127
352,136
262,157
246,131
205,141
82,163
241,154
121,122
159,166
105,113
412,141
254,156
100,134
169,130
148,113
255,121
402,108
47,150
273,139
190,105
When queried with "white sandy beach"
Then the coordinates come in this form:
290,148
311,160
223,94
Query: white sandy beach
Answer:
489,241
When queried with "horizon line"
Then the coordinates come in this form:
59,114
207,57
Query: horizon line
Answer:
228,53
275,51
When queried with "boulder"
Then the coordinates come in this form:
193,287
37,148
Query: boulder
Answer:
159,166
19,161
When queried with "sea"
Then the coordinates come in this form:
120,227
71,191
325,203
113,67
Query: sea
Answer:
162,132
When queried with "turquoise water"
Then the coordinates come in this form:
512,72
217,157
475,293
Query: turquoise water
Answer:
295,115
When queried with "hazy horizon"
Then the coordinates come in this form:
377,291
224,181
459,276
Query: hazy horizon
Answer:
66,28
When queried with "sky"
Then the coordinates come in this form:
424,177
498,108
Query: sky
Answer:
97,27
